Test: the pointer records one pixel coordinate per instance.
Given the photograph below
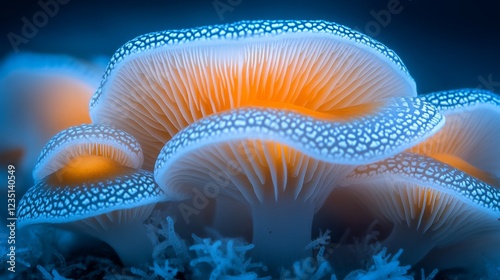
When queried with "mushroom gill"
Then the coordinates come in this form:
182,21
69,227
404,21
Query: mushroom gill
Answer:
158,83
92,141
88,179
469,139
442,201
283,164
431,206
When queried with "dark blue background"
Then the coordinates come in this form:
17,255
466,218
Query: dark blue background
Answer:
445,45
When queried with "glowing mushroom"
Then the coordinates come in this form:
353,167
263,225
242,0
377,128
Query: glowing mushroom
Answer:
158,83
283,163
431,206
40,96
88,180
469,140
93,140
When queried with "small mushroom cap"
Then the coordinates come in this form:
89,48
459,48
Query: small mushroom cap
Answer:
111,208
470,134
115,199
90,188
396,124
427,195
160,82
88,140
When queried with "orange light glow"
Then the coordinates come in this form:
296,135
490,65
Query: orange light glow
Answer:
87,169
62,105
466,167
343,114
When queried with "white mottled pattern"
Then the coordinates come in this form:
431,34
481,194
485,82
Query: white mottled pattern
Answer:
62,204
433,174
86,134
395,126
238,31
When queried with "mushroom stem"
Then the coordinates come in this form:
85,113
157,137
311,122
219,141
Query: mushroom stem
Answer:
281,232
228,224
414,250
131,243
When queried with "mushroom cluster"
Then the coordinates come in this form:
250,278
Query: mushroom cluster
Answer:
440,198
88,179
275,120
55,98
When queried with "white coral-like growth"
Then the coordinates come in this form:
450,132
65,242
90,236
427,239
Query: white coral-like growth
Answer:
384,266
225,258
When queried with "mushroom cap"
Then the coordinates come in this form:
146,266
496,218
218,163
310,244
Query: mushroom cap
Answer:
99,204
284,162
88,140
158,83
56,97
289,138
427,195
471,131
94,186
34,65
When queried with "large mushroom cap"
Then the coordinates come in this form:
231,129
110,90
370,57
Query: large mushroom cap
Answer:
400,123
160,82
430,204
40,96
283,163
469,139
89,187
